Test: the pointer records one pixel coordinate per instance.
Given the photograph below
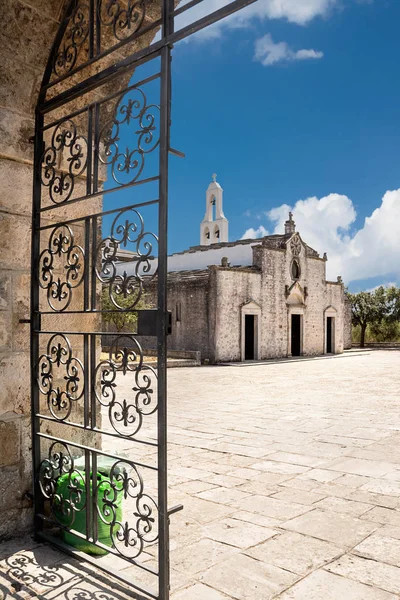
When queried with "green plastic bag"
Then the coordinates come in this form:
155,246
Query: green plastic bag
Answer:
79,523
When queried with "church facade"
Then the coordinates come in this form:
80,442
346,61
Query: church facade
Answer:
250,299
253,299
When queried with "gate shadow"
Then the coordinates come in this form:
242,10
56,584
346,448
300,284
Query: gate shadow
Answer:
39,571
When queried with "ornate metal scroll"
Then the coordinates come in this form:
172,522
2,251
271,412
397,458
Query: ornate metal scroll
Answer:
61,267
62,484
73,39
126,416
126,163
63,161
295,245
129,536
64,387
126,289
124,17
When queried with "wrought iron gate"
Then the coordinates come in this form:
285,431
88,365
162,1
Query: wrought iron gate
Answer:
99,422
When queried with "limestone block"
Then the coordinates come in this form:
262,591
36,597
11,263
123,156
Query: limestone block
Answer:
15,241
9,439
16,186
52,9
5,285
20,86
5,331
15,131
34,32
14,375
21,307
16,522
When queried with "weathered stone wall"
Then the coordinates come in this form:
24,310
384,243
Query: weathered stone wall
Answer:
27,32
278,296
234,287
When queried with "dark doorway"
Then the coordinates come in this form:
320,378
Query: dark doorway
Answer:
296,335
329,336
249,337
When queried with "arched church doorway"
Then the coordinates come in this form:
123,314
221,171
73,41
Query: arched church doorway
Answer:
103,131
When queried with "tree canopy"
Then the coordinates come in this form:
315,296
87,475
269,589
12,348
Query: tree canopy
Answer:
120,319
379,309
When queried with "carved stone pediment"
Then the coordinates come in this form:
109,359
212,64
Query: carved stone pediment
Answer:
295,294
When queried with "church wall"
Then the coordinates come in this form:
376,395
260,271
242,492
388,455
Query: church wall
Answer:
335,298
233,289
274,310
188,301
316,302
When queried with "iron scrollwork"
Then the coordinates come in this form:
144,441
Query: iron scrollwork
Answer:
75,35
62,484
66,258
125,484
127,164
126,417
124,18
69,148
66,386
125,290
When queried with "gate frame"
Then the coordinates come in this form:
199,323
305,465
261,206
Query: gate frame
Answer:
163,49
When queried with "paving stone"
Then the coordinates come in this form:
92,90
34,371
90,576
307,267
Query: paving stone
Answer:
295,552
271,507
374,499
343,530
244,473
321,585
389,531
245,578
386,516
379,547
321,475
199,592
358,466
223,495
249,517
279,467
382,486
342,505
354,481
296,459
238,533
203,511
194,487
199,556
298,496
225,480
370,572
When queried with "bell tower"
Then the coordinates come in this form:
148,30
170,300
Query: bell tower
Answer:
214,226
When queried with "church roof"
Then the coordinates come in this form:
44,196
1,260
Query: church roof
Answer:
277,240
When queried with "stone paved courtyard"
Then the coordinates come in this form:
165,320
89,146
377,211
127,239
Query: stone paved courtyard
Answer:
289,473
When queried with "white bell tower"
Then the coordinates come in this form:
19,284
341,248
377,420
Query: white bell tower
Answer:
214,226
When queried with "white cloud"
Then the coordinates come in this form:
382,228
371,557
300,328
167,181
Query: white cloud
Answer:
300,12
326,225
267,52
254,233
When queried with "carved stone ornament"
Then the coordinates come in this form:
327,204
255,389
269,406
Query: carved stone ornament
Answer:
295,245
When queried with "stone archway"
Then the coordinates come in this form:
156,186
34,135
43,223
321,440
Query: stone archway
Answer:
27,33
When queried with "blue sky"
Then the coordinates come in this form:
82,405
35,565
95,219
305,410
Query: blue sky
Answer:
295,108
